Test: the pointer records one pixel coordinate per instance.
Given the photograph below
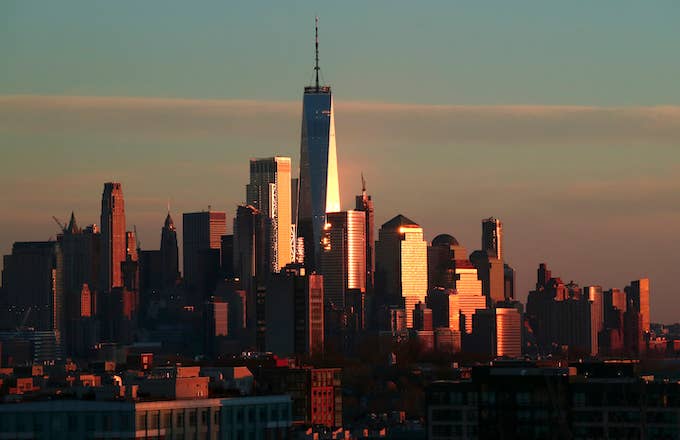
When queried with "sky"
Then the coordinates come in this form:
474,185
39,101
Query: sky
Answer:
560,118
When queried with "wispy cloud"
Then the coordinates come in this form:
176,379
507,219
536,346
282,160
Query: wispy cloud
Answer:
358,122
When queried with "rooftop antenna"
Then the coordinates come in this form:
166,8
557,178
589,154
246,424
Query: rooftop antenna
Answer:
316,66
363,183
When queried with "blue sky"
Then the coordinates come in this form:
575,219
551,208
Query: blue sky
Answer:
560,118
450,52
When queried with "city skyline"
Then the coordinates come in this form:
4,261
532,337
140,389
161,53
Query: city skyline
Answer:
601,150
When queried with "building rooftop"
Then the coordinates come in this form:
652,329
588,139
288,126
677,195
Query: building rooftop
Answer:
445,240
398,222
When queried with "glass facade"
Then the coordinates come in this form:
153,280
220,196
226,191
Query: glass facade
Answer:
413,269
343,260
269,191
319,191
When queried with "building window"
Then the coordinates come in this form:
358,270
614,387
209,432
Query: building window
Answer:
180,420
192,418
166,420
141,422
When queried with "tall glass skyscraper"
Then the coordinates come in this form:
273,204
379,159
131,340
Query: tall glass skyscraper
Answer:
401,264
319,190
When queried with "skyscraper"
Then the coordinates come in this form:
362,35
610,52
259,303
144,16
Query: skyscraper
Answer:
169,253
319,188
469,293
113,236
401,264
441,261
638,297
364,203
492,237
343,257
489,260
32,280
269,191
202,234
251,255
508,332
80,250
294,313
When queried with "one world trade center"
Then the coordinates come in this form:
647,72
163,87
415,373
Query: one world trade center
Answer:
319,190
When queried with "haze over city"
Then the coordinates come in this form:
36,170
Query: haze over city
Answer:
563,121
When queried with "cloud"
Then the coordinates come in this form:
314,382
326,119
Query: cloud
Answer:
359,123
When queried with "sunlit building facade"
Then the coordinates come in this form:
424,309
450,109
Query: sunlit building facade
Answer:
343,256
508,332
113,236
401,264
469,293
269,191
319,191
364,203
638,297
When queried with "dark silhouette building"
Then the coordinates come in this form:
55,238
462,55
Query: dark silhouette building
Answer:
251,256
32,281
294,313
442,255
202,233
561,317
169,254
81,258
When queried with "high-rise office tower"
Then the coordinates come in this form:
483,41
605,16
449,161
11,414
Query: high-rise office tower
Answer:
489,260
250,250
508,332
343,257
558,315
364,203
497,332
441,261
80,250
202,233
491,272
169,253
32,280
469,293
269,191
113,236
227,243
294,313
492,237
594,294
638,298
319,188
509,282
251,255
401,264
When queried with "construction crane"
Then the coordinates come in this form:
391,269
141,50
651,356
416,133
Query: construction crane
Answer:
62,226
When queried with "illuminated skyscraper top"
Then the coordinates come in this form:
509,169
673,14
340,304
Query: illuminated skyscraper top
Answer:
319,188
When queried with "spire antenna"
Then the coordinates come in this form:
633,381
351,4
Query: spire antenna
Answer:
363,183
316,46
